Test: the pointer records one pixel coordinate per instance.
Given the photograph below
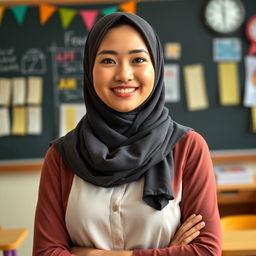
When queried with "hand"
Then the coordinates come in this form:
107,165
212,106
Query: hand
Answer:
188,231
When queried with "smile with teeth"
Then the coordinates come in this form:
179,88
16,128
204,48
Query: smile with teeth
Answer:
124,92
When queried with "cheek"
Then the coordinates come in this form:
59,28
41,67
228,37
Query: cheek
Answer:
149,77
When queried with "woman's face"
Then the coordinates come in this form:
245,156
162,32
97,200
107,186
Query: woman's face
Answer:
123,73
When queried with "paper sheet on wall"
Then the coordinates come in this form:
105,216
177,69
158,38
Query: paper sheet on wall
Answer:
34,120
250,81
5,91
195,87
228,84
18,120
4,121
19,91
253,111
171,80
35,86
70,115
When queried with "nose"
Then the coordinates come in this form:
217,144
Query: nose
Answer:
124,73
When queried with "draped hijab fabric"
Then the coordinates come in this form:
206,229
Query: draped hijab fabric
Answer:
108,148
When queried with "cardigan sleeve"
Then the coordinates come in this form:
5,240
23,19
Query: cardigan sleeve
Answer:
193,164
50,233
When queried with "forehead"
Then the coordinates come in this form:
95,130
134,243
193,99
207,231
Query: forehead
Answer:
123,36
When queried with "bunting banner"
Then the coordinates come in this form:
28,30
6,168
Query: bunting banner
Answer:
128,7
19,12
88,17
46,11
66,16
1,13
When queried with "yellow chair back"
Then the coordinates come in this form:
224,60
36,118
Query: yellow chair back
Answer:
238,222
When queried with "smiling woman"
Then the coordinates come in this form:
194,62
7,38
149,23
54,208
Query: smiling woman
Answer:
128,180
123,77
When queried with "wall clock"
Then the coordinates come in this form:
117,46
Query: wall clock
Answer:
224,16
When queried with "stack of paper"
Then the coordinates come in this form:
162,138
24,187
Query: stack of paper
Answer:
233,175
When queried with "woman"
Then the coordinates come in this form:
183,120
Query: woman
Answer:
128,180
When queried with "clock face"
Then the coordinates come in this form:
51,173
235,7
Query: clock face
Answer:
224,16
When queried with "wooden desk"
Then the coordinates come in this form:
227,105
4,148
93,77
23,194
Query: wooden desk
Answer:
237,199
239,242
10,239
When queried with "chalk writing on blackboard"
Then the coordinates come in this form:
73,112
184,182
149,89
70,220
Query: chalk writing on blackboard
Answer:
33,62
8,61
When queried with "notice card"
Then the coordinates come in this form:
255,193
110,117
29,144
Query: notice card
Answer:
171,81
228,84
34,119
19,121
4,122
70,115
253,119
195,87
35,86
5,91
250,81
19,91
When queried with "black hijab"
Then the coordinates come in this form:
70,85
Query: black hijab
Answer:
108,148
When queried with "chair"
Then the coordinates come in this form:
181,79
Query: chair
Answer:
10,240
238,222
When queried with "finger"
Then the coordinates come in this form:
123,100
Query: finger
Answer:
190,238
194,229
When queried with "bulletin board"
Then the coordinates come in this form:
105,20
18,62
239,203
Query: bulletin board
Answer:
223,127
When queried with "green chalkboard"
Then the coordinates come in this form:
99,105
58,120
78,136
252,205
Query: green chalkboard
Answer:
224,128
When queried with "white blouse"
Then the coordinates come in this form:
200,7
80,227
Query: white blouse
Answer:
117,218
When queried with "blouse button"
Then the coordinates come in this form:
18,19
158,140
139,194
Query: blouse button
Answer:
115,208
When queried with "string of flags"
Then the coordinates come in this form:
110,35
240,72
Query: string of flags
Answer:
46,11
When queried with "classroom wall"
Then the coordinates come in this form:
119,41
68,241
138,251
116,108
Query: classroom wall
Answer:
18,196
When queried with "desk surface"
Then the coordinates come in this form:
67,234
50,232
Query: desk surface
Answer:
10,239
239,242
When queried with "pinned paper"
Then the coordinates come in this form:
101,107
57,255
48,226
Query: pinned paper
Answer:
19,12
108,10
35,87
70,115
250,81
34,120
4,121
129,6
195,87
89,17
172,50
19,121
227,49
171,80
228,84
5,91
1,13
66,15
46,11
19,91
253,111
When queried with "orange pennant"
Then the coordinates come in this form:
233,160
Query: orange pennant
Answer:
46,11
1,13
128,7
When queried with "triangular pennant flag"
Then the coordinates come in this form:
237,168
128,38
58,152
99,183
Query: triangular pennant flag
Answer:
46,11
1,13
89,17
66,16
109,10
128,6
19,12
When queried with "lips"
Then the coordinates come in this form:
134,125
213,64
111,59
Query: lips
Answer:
124,91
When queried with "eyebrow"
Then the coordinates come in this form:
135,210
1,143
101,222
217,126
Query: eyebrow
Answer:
115,53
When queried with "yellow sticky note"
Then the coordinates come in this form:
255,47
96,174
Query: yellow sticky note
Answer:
19,121
228,84
195,87
70,116
253,111
35,88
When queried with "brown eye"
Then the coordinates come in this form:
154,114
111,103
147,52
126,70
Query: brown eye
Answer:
139,60
107,61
